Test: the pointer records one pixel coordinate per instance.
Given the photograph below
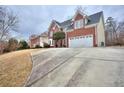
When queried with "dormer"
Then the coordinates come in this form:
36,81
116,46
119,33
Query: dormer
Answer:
80,20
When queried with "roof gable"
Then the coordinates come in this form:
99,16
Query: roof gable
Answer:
53,23
78,15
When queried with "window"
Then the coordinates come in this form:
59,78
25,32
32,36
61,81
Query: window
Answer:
90,36
79,24
77,37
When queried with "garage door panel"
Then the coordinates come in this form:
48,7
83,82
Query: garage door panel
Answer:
84,41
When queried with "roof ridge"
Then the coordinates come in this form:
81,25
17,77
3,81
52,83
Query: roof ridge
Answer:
71,18
88,16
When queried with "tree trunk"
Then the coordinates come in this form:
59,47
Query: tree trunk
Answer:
56,41
61,42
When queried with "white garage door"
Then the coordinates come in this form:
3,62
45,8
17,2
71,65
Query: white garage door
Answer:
81,41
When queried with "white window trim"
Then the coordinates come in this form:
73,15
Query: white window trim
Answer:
79,24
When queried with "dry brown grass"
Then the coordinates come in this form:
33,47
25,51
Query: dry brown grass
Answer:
15,68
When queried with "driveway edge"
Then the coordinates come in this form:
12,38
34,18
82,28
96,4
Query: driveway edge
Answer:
30,72
31,56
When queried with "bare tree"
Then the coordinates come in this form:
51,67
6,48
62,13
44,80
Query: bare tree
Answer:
121,32
121,26
8,23
112,26
81,9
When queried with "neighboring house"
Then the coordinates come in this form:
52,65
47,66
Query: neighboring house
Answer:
81,31
39,40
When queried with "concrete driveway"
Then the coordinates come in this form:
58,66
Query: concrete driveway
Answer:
73,67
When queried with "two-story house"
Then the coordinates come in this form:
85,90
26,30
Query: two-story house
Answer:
81,30
38,40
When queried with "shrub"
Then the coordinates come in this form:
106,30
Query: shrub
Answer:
12,44
23,45
59,36
46,45
118,44
64,45
6,50
38,46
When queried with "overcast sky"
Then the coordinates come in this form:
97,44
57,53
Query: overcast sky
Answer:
36,19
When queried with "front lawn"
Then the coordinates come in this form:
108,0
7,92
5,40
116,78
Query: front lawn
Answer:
15,67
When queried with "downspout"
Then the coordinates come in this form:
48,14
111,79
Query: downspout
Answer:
66,40
96,36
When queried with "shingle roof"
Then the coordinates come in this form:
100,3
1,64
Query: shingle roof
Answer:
44,33
92,19
66,23
57,22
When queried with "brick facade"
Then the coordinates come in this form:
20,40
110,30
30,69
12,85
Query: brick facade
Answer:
82,32
78,17
91,26
54,28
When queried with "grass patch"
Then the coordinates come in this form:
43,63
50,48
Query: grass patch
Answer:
15,68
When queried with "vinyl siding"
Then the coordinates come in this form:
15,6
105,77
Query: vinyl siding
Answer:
100,32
